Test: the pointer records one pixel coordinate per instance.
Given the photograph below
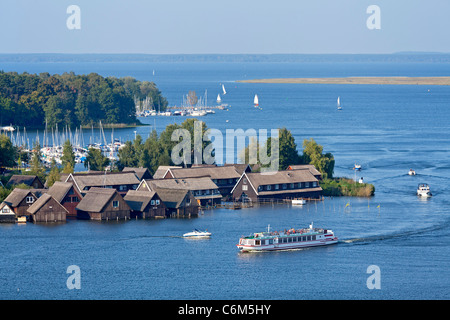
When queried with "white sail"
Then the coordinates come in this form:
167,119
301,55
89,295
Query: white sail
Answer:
256,100
218,98
223,89
339,103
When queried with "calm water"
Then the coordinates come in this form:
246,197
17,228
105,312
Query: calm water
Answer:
387,129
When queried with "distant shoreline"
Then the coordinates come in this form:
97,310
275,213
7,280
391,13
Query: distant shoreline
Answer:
440,81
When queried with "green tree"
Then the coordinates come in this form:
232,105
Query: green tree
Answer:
68,158
37,167
95,160
312,154
8,152
54,174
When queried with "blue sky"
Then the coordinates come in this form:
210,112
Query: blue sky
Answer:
228,26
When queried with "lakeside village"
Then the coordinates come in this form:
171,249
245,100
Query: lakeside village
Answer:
170,191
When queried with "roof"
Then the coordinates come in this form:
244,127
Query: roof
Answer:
39,203
161,171
172,198
59,190
102,179
214,172
141,173
200,183
257,179
25,179
279,177
309,167
16,196
96,199
239,167
138,200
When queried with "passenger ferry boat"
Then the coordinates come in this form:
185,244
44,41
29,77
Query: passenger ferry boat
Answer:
287,239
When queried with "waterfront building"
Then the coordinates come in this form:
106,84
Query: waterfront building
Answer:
29,180
67,195
47,209
103,204
145,204
287,184
120,181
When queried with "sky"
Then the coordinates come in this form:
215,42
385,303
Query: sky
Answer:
224,27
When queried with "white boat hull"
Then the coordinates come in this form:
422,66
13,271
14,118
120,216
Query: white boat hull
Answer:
298,202
287,246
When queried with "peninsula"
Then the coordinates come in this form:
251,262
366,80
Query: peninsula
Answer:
441,81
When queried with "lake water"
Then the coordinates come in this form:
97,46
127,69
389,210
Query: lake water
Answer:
387,129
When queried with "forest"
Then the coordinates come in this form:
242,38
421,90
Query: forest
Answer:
36,100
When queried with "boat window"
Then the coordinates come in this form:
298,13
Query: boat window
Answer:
270,241
314,237
308,238
290,239
303,239
257,242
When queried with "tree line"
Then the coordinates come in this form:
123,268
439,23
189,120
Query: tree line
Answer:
72,100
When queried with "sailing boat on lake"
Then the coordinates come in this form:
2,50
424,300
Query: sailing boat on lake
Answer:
223,89
256,100
339,107
219,100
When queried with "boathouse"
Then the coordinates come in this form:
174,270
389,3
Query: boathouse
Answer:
225,177
179,202
29,180
67,195
203,188
103,204
6,213
19,200
47,209
145,204
288,184
120,181
162,170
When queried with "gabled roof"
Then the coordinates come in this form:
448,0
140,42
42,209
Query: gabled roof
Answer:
200,183
141,173
16,196
96,199
172,198
59,190
309,167
102,179
138,200
257,179
214,172
39,203
25,179
161,171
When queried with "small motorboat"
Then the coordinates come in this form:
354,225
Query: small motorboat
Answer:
197,234
357,167
423,190
298,202
411,172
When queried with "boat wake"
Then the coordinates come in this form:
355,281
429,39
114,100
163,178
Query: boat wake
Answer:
395,235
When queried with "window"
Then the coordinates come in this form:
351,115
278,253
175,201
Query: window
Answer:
244,187
30,199
258,242
157,202
115,204
152,202
5,210
122,188
74,199
269,187
315,184
284,186
292,186
306,184
277,186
